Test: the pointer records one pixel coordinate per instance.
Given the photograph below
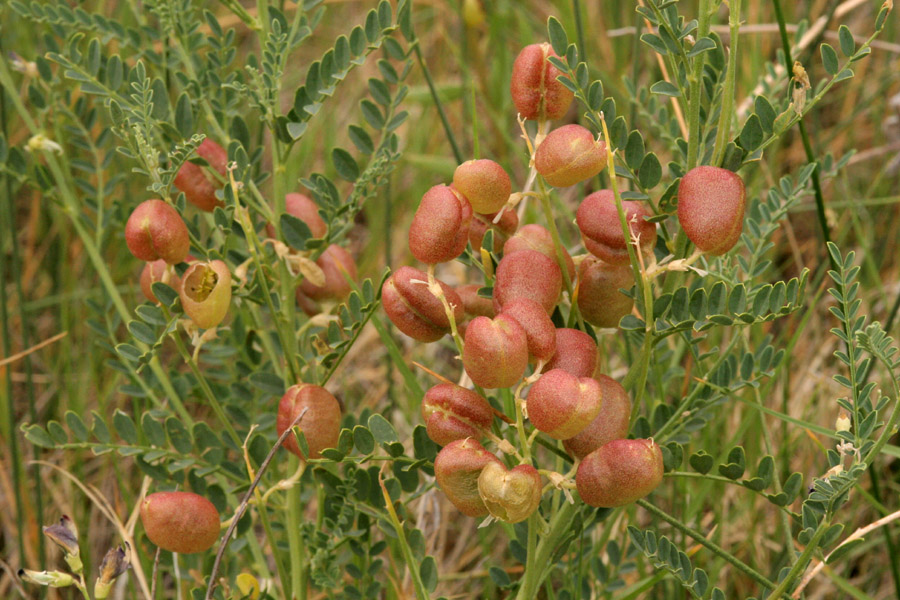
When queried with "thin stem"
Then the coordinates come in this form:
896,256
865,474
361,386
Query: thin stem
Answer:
725,116
696,79
579,30
437,103
799,566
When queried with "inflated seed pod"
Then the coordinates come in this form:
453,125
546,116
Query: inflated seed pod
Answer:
321,423
338,265
620,472
576,353
484,183
711,208
456,469
599,299
475,305
601,230
562,405
180,522
527,274
538,238
414,310
440,227
453,413
510,495
206,293
568,155
200,187
507,225
158,270
495,354
304,208
534,88
539,328
611,423
155,230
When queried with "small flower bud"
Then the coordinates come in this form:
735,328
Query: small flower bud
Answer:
56,579
842,423
64,534
114,564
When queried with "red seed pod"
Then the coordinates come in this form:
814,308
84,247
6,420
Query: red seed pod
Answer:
562,405
338,265
414,310
599,299
200,187
321,424
601,230
456,469
484,183
180,522
711,208
304,208
158,271
610,424
495,354
569,155
440,227
576,353
502,230
453,413
527,274
510,495
475,305
539,329
534,88
538,238
307,304
620,472
206,293
156,231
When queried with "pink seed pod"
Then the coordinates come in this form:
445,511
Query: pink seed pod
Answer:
155,231
453,413
307,304
576,353
180,522
539,329
484,183
338,265
562,405
527,274
456,469
502,230
610,424
206,293
601,230
711,208
414,310
620,472
495,354
475,305
157,271
304,208
440,227
599,299
321,424
538,238
510,495
534,88
200,187
569,155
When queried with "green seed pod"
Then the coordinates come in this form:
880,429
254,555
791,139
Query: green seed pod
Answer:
569,155
440,227
414,310
502,230
711,208
453,413
206,293
610,424
510,495
304,208
200,187
620,472
337,264
562,405
180,522
495,354
156,231
527,274
534,88
539,239
576,353
601,230
456,469
599,299
321,424
484,183
539,329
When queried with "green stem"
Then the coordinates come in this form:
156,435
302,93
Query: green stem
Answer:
437,103
295,544
579,30
696,79
559,524
725,116
799,566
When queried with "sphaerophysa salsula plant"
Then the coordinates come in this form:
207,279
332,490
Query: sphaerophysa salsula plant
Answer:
562,466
